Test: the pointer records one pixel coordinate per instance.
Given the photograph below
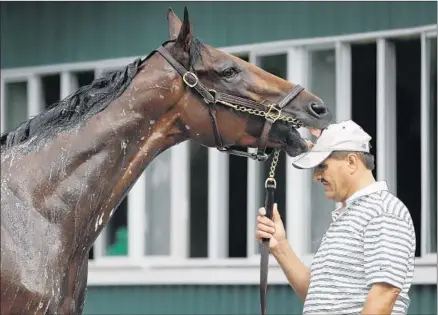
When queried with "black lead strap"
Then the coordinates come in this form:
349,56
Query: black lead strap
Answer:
270,186
264,259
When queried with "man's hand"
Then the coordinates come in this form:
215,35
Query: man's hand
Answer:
296,272
380,299
272,229
309,144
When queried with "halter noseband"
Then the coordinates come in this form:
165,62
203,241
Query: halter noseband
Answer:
272,113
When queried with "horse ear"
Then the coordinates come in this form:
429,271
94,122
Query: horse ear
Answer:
186,32
174,24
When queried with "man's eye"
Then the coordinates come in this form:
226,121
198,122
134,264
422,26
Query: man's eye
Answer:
321,167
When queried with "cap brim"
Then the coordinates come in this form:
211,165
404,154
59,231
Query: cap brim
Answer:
310,159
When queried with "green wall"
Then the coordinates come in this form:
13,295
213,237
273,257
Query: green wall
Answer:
203,299
37,33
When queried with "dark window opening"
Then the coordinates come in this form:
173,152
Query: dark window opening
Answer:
408,103
364,90
51,89
84,78
117,230
198,200
237,218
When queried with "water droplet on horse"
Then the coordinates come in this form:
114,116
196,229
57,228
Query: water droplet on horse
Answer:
187,127
161,96
152,122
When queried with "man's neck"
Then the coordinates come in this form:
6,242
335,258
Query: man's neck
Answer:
359,183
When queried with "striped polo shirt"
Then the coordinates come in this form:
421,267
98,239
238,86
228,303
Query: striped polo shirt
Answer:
371,240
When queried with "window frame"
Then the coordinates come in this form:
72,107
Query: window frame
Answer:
177,268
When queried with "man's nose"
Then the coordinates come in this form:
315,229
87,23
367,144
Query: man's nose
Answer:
316,175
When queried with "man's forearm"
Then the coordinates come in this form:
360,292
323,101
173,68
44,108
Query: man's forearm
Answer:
380,300
296,272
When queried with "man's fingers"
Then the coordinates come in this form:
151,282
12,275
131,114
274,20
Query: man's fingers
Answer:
265,228
309,144
265,220
261,234
262,211
275,213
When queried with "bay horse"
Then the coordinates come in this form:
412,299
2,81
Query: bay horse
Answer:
66,170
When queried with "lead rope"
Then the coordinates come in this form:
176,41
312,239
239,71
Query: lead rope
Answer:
270,186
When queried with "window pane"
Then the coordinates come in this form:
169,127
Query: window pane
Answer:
84,77
364,90
322,84
158,205
198,200
237,202
277,65
237,206
408,98
243,57
117,231
15,104
51,89
431,241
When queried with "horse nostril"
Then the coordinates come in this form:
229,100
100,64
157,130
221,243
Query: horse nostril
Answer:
318,109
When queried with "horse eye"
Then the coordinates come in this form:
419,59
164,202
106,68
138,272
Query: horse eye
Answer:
229,72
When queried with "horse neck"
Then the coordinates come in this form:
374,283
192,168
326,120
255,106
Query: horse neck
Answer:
97,164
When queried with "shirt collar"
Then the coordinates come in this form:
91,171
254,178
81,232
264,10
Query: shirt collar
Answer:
372,188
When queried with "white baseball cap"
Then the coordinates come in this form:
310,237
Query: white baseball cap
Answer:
343,136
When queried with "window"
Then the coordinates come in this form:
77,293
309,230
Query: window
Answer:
364,90
51,89
198,206
408,115
116,232
429,145
198,200
158,205
237,203
277,65
15,104
322,82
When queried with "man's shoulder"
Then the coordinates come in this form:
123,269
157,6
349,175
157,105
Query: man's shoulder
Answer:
392,206
385,203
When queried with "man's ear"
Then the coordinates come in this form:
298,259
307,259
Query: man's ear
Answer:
353,162
186,32
174,24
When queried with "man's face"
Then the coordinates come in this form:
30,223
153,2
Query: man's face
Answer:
333,175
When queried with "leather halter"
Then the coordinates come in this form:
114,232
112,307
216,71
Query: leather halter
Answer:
211,97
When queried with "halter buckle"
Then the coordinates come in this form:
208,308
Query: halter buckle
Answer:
273,113
194,77
270,182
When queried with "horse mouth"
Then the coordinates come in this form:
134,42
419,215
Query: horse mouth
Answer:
290,140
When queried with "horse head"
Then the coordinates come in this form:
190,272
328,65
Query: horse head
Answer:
228,102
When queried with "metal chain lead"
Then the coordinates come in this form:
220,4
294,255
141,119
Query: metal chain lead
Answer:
274,163
262,113
271,180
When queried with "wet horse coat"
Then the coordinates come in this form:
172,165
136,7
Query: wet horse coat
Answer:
65,171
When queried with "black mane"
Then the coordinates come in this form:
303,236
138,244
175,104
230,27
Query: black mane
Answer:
85,102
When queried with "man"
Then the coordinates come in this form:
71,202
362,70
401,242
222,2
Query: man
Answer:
365,261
